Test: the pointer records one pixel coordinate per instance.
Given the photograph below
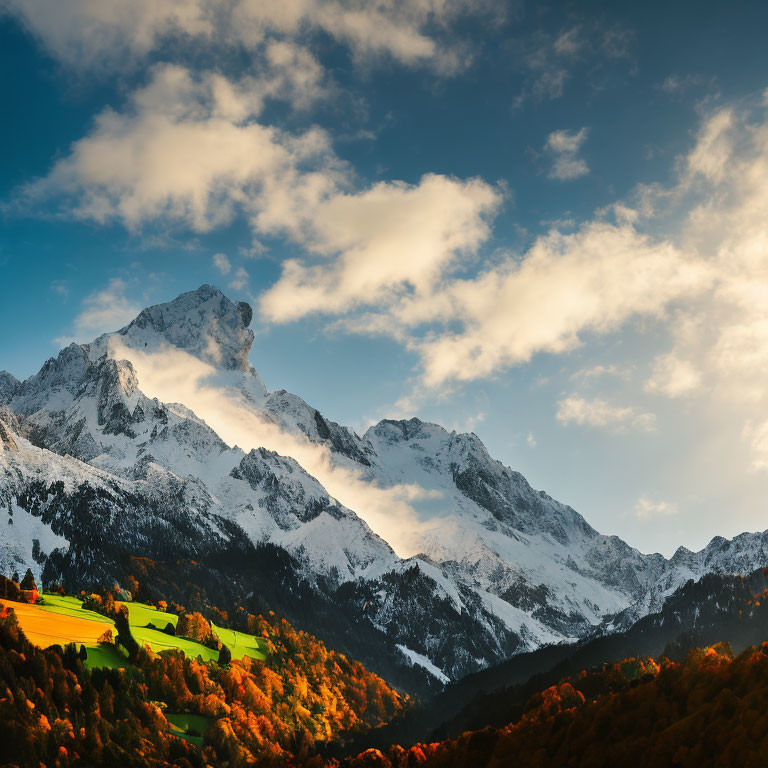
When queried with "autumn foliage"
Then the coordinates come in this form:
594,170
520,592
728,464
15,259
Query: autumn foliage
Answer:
55,711
711,710
195,627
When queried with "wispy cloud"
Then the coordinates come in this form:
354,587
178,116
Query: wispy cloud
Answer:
390,240
221,262
600,370
189,149
401,259
591,280
599,414
549,61
60,288
90,33
755,432
720,340
569,43
173,375
648,509
135,167
702,276
239,280
673,377
552,60
106,310
563,147
677,85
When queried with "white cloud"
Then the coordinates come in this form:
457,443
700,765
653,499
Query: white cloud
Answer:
673,377
106,310
391,239
400,259
567,167
647,509
599,371
705,281
565,141
221,262
593,280
239,279
599,414
189,149
711,156
720,339
81,31
89,33
564,146
531,440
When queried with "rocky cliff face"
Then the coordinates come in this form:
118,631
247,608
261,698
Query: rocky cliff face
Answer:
94,470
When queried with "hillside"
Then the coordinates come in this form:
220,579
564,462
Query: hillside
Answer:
708,710
712,610
288,701
169,708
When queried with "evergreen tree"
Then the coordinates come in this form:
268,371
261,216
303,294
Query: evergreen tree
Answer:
28,582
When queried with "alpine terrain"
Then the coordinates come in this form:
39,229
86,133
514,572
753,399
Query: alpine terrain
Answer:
96,471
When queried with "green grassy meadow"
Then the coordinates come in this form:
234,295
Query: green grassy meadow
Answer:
189,727
71,606
106,657
158,641
241,644
140,615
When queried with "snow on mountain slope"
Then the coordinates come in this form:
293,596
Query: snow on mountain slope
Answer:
740,555
501,567
308,522
575,600
488,528
423,661
86,418
68,513
25,538
94,515
518,544
204,322
8,385
93,410
491,529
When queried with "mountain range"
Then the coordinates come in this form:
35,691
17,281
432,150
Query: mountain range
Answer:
96,470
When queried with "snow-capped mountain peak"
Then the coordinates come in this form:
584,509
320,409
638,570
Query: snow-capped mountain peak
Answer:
503,567
204,323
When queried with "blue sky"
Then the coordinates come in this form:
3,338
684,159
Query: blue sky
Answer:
540,223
